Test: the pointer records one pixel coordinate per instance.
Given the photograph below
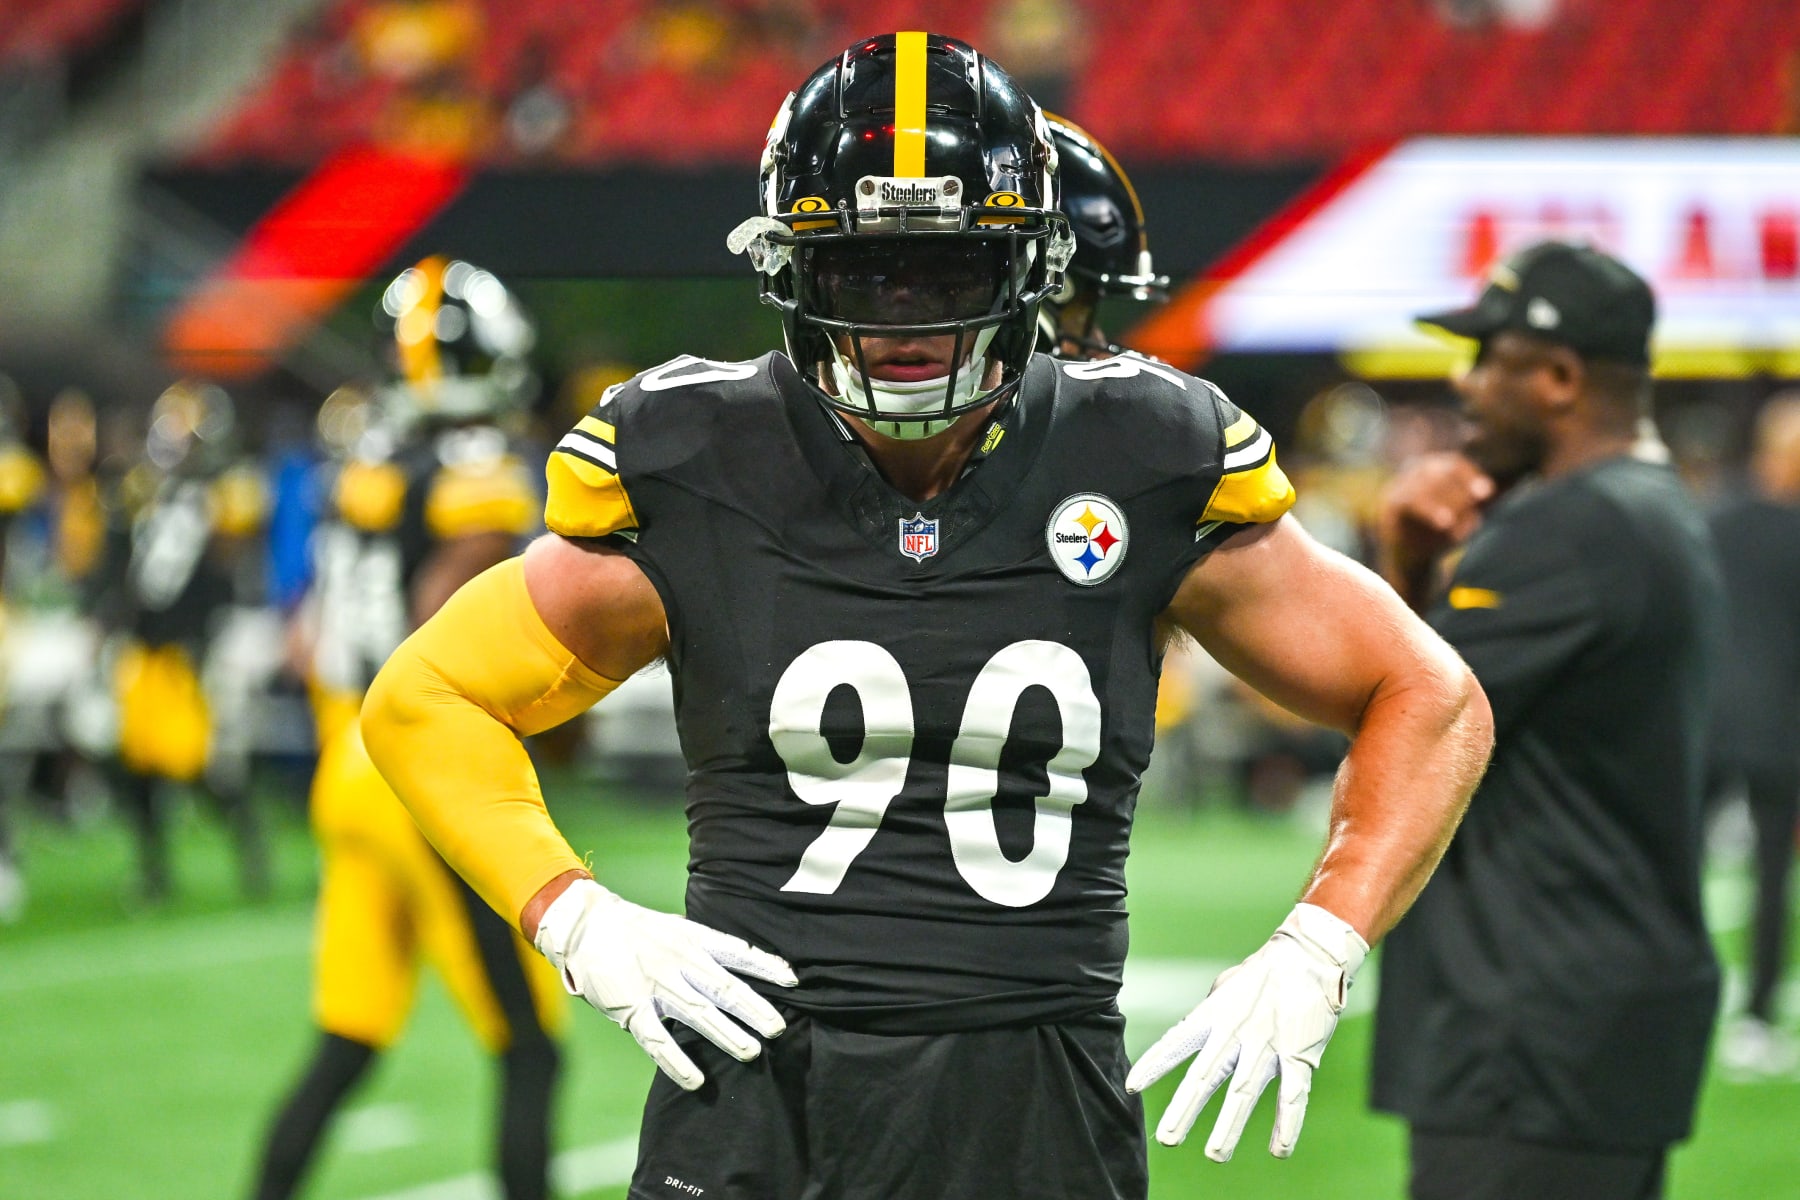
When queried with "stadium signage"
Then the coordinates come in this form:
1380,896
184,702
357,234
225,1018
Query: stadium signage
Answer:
1714,224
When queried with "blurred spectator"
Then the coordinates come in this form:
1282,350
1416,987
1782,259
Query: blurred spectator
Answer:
539,114
687,38
79,525
443,116
412,40
1041,44
1756,727
1338,470
1518,14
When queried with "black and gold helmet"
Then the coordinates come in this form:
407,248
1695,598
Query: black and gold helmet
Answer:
908,188
459,343
1112,243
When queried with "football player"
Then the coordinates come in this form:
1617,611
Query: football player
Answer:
186,522
914,584
21,487
430,492
1112,246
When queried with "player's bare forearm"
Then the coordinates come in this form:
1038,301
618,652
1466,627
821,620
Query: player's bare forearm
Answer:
1413,763
1326,639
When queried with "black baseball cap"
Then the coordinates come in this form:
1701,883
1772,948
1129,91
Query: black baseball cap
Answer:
1576,295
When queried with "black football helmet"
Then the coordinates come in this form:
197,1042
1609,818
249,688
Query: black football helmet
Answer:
1112,245
908,189
459,344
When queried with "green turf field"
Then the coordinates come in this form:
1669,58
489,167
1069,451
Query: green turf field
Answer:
142,1053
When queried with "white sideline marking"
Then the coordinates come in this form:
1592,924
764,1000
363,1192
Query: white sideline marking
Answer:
584,1169
203,943
27,1123
378,1127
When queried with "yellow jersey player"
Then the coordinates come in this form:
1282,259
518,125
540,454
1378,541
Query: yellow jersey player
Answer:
914,584
429,495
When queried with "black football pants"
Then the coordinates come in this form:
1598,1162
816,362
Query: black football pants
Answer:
1457,1166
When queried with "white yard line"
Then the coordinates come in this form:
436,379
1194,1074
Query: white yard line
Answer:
374,1128
27,1122
106,955
574,1172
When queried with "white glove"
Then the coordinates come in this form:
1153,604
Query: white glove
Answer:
638,966
1270,1015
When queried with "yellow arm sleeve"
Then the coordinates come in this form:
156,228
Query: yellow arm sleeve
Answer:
443,719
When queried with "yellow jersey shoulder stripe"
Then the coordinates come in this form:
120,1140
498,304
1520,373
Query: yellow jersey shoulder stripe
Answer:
1249,455
1252,487
585,500
1474,597
591,441
1256,495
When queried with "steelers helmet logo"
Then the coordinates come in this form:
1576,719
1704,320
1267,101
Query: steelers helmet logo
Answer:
1002,200
810,205
1087,537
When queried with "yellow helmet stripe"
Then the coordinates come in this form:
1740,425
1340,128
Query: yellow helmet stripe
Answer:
909,105
416,327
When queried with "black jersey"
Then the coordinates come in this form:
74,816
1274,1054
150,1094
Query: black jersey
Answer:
177,573
389,509
915,731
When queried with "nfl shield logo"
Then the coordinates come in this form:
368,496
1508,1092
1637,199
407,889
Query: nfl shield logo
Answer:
918,536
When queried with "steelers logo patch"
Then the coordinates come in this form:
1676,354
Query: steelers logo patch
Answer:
1087,538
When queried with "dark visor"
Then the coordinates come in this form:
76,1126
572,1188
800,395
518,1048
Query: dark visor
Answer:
907,280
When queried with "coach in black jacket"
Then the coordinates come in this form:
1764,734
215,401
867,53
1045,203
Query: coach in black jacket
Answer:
1545,1007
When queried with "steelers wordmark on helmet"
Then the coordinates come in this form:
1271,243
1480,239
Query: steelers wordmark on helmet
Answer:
1087,536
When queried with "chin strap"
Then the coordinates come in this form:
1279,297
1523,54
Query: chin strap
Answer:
889,397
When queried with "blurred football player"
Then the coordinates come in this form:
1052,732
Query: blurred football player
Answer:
913,584
186,522
1112,246
21,485
428,493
